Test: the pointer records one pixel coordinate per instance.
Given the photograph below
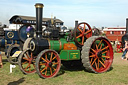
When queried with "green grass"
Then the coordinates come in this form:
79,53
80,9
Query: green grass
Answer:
118,75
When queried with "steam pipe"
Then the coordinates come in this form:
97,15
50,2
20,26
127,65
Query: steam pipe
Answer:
127,25
39,14
76,23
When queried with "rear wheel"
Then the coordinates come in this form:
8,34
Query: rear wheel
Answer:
97,54
48,63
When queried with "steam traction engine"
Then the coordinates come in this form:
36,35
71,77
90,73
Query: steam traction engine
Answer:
45,52
11,40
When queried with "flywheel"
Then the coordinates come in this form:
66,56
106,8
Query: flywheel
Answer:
82,32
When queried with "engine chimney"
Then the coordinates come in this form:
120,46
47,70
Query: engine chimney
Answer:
39,10
76,23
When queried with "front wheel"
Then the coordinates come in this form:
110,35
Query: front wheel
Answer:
26,62
48,63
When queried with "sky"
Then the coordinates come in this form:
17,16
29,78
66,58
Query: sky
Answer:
99,13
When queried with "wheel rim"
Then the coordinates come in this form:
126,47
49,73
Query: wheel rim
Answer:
28,62
82,32
101,55
49,64
13,59
11,50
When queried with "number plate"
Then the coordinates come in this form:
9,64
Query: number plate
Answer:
16,54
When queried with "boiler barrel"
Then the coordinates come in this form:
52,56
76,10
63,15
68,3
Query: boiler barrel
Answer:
4,42
57,44
37,45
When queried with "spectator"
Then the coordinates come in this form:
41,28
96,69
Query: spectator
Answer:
125,49
1,64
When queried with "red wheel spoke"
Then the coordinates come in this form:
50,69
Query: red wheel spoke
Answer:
51,70
79,36
79,29
25,62
100,43
100,46
103,60
87,32
93,50
96,66
25,59
46,71
105,48
96,47
27,66
94,61
44,59
102,64
51,56
105,56
42,63
83,40
43,69
91,60
92,55
104,52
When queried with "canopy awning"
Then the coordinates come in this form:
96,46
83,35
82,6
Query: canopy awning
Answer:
17,19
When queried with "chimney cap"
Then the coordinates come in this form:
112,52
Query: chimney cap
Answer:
39,5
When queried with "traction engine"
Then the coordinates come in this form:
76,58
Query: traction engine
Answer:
11,40
51,47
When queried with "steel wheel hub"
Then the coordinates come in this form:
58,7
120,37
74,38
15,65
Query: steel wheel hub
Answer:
50,64
99,54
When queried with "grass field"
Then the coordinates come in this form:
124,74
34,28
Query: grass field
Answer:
118,75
